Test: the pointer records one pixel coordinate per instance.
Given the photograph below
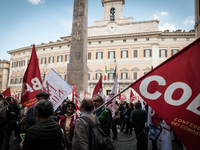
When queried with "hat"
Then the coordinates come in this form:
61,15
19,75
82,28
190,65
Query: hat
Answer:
40,94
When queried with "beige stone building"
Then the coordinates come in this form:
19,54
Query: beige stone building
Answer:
197,18
4,74
133,46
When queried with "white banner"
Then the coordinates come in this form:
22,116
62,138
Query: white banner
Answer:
58,88
111,104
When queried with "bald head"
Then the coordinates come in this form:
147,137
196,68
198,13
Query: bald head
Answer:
87,104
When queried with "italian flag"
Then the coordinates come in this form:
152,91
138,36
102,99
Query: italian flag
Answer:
106,73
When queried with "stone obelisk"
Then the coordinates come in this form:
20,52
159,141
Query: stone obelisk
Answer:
77,69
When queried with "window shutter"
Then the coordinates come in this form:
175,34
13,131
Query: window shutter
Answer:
159,53
165,53
101,55
126,54
57,58
62,58
121,54
108,75
53,59
65,57
89,55
41,61
45,60
144,53
49,59
108,54
96,55
96,75
114,54
150,52
121,75
126,75
88,76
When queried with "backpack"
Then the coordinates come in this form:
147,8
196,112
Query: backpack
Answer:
98,139
3,114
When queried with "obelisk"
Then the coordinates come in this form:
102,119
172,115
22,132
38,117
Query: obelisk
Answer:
77,69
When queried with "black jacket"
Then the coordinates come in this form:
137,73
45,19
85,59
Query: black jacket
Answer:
44,135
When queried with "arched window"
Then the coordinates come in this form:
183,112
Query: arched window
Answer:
112,14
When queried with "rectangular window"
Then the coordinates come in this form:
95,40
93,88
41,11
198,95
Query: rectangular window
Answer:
0,76
18,63
162,39
124,54
51,48
174,39
187,39
124,41
0,70
111,76
16,81
89,55
135,75
89,43
23,62
51,59
88,76
111,54
67,57
21,80
135,53
174,51
98,75
11,81
99,42
0,82
135,40
147,39
111,41
108,92
60,46
59,58
99,55
43,60
163,53
147,53
13,64
124,75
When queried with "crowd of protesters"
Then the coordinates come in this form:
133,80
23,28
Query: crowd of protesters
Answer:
63,129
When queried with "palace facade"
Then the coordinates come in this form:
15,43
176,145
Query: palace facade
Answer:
134,47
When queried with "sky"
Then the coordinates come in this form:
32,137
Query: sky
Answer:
26,22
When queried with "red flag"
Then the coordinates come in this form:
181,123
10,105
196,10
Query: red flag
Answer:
16,94
98,88
172,89
84,96
132,97
119,97
155,118
75,100
6,93
32,82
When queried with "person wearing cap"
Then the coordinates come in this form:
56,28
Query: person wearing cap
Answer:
30,118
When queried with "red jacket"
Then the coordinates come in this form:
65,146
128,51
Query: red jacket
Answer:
72,126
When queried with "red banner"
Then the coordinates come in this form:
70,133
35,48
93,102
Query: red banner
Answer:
172,89
32,82
132,97
6,93
98,88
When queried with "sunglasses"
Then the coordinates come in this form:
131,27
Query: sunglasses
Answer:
96,101
70,106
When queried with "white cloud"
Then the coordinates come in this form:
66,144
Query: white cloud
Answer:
35,2
167,26
158,14
189,20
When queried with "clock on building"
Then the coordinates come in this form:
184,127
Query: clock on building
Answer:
112,27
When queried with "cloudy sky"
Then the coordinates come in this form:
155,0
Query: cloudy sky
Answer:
24,22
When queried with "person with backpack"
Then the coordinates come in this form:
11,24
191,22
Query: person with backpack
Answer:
82,132
104,114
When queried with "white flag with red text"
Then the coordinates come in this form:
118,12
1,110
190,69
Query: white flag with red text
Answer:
75,99
111,105
57,88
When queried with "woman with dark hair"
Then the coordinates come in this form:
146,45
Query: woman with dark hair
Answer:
66,122
46,133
